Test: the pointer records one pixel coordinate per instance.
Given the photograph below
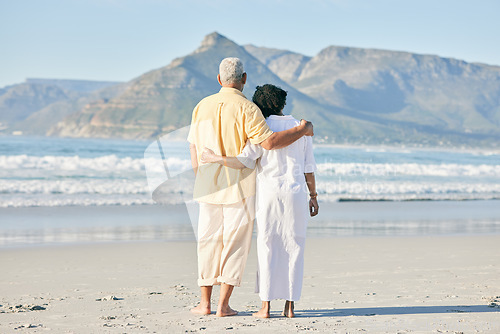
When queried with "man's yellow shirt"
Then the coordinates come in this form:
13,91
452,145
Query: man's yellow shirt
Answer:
224,122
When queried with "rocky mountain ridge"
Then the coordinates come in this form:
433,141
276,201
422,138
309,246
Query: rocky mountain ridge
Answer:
353,95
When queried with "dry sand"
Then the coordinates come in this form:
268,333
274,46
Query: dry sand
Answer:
445,284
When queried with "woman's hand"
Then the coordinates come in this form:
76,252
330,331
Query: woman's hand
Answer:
313,207
207,156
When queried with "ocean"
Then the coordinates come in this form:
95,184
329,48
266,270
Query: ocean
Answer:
94,172
61,190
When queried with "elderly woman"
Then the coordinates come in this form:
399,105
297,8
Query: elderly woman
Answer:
284,177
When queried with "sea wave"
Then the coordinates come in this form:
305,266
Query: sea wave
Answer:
72,186
403,191
107,163
49,162
57,201
27,180
413,169
122,192
113,163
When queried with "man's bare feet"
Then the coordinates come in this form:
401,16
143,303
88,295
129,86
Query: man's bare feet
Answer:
288,311
223,309
226,312
265,310
204,305
201,309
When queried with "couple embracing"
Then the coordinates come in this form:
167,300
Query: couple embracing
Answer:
251,161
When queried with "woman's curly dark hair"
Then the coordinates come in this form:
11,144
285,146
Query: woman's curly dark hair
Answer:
270,99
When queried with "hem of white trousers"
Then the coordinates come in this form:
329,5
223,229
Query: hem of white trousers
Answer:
207,281
230,281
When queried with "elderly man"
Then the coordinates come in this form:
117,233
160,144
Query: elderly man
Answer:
224,122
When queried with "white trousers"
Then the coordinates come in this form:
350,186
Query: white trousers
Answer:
224,238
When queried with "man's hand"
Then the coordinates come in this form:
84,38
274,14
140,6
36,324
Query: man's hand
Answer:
313,207
308,126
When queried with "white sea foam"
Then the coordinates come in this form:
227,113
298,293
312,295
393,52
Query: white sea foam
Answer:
414,169
111,180
108,163
104,163
175,164
81,200
397,190
72,186
44,193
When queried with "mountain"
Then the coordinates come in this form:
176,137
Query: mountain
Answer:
20,101
41,121
429,98
426,90
163,99
285,64
81,86
353,95
34,106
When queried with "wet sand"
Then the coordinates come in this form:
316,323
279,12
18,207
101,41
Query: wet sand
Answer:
35,226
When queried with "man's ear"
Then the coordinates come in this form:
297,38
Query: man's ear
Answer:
244,78
218,79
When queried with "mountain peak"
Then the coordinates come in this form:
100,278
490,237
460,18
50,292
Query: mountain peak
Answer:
212,39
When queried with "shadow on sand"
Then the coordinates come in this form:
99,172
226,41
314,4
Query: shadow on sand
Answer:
394,310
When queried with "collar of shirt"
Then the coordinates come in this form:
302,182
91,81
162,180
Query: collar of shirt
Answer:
231,90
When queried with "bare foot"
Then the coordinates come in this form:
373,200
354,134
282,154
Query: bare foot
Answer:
226,312
288,311
262,313
201,309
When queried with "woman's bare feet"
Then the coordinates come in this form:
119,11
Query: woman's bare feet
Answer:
288,311
264,312
226,312
201,309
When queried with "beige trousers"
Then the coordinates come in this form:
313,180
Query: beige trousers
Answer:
224,238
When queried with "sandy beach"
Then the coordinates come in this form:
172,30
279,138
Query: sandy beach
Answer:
439,284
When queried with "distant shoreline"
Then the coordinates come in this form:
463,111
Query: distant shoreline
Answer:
486,150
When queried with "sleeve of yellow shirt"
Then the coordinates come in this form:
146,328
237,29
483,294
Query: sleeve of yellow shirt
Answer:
192,129
256,126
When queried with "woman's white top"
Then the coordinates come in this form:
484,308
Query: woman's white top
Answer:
290,162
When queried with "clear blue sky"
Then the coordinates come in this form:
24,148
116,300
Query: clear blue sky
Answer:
121,39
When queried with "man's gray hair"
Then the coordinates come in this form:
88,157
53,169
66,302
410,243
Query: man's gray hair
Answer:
231,70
